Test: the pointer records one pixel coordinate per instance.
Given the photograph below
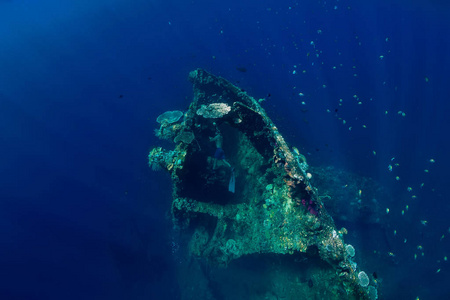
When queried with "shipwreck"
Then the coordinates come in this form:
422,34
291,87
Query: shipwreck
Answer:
251,224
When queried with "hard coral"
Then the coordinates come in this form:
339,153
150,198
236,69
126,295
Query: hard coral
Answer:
214,110
169,117
186,137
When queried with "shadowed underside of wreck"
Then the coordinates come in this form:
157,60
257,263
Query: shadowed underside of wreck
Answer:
245,206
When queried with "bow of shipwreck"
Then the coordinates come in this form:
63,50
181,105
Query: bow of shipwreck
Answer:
271,238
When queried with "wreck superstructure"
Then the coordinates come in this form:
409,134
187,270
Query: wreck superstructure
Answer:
272,210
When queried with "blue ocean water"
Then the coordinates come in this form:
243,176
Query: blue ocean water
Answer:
359,85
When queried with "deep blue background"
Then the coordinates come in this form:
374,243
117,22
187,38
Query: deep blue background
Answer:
82,82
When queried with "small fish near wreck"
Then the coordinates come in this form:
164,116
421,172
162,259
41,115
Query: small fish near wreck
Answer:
249,220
